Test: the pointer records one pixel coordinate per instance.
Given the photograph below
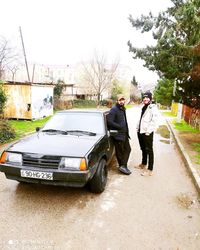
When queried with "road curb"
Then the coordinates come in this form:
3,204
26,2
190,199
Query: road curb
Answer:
192,171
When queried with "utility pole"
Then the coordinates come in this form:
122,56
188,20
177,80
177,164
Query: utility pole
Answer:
33,73
20,30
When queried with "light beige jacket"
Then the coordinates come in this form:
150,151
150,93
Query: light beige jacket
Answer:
149,121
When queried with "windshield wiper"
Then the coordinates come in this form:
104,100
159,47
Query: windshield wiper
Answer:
81,132
54,130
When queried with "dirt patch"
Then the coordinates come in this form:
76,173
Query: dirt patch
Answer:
187,140
189,137
187,201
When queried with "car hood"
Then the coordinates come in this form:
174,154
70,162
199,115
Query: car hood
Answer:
56,144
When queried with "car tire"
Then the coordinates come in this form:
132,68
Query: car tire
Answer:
99,180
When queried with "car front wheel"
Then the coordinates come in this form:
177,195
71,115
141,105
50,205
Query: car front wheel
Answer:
99,180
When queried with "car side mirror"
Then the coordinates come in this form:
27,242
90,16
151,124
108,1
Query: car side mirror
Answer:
113,132
37,129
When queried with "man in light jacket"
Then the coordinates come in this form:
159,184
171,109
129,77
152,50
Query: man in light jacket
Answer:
145,131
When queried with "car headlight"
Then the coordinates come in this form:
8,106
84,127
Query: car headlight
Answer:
11,158
73,163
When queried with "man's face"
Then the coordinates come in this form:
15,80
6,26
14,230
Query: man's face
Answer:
146,100
121,101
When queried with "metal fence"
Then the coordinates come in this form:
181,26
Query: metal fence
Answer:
190,115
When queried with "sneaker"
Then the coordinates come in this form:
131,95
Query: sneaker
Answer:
141,166
124,170
147,173
150,172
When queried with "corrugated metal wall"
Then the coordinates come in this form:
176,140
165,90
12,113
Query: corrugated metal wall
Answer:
41,101
28,101
19,99
190,115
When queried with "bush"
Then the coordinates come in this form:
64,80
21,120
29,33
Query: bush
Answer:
84,103
6,131
107,103
58,89
3,99
104,102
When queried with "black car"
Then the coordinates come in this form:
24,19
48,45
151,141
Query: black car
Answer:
73,148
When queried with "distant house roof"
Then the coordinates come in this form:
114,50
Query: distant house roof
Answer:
27,83
37,84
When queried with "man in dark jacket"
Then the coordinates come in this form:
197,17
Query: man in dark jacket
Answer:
117,120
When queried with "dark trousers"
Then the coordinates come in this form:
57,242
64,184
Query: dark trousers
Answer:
122,150
146,145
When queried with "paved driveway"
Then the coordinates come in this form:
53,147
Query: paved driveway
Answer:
134,212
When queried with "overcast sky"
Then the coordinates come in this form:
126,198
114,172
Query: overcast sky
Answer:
67,31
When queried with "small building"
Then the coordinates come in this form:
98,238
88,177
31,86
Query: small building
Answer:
28,100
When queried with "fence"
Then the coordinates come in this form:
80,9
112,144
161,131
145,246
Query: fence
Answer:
190,115
61,103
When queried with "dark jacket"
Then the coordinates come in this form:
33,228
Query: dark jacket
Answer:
117,120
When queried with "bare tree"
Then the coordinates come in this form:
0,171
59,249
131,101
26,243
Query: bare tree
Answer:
7,55
13,68
135,93
98,74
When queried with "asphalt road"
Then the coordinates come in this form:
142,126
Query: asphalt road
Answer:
134,212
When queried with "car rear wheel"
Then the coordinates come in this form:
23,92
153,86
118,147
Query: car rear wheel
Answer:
99,180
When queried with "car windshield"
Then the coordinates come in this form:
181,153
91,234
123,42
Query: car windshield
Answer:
76,123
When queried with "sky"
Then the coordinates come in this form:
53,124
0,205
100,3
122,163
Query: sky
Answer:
63,32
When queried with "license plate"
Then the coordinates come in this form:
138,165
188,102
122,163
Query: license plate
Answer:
37,175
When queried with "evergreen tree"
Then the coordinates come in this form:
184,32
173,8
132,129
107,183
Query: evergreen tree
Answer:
176,55
3,98
163,93
58,89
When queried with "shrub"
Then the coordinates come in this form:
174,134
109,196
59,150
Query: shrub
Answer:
58,89
107,103
3,99
6,131
104,102
84,103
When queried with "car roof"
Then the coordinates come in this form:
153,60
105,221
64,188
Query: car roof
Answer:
82,111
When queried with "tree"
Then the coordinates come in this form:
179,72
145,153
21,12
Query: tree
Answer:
163,93
135,93
134,82
13,69
7,55
3,98
176,53
116,89
58,89
98,74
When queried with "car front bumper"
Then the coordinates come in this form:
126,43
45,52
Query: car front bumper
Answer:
60,177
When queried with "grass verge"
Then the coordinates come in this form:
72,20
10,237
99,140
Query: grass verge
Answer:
190,132
128,106
197,149
184,127
168,113
23,127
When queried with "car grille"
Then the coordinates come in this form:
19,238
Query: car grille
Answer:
42,162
